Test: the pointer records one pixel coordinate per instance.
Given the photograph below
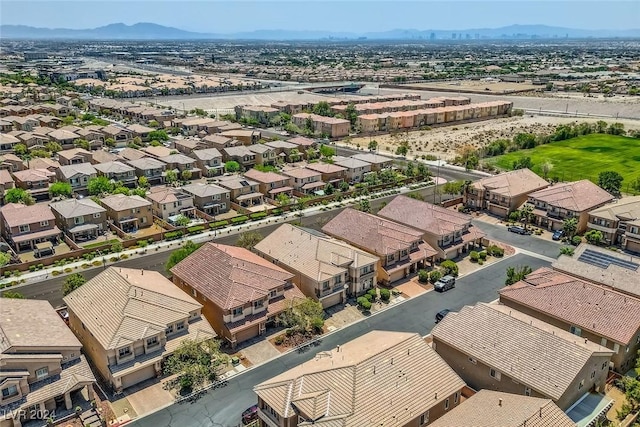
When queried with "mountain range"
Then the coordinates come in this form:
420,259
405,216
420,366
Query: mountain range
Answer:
149,31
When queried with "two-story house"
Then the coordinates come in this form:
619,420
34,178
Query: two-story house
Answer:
552,205
129,213
619,223
400,249
152,169
305,180
74,156
504,193
376,161
241,154
284,149
120,135
80,219
243,191
219,142
35,181
209,161
145,318
551,296
241,292
168,203
336,387
41,364
498,348
270,183
78,175
332,174
103,156
140,131
209,198
265,155
63,137
11,163
324,268
449,231
355,170
6,183
7,142
181,163
29,227
119,172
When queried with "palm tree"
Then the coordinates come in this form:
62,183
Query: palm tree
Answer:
570,226
526,212
515,274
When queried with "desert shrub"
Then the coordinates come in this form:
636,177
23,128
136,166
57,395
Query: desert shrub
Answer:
385,294
258,215
423,276
474,256
482,255
195,229
449,267
495,251
68,270
434,276
364,303
278,340
171,235
368,296
56,272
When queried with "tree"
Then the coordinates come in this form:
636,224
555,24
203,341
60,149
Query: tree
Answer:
82,143
322,108
526,213
142,192
601,126
171,176
306,317
326,151
546,167
110,142
186,175
610,181
178,255
294,155
594,237
328,189
53,147
523,163
453,187
18,195
449,267
570,226
182,221
72,282
20,149
232,166
364,205
249,239
616,129
515,274
525,140
5,259
143,182
283,199
566,250
60,188
158,135
12,294
311,154
351,114
100,185
410,170
343,186
422,170
402,149
194,363
373,145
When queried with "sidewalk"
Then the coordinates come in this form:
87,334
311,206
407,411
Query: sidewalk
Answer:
36,276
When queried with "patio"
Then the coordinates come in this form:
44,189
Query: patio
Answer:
59,249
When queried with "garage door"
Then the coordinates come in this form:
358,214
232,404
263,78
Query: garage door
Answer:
246,334
332,300
138,376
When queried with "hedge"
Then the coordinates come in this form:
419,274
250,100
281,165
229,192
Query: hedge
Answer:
258,215
219,224
239,219
195,229
277,211
171,235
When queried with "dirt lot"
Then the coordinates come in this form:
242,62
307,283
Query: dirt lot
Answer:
494,87
444,142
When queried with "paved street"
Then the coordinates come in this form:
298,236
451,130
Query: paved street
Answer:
222,407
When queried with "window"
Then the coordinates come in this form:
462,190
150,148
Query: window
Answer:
604,365
169,330
575,330
616,348
424,418
78,220
456,397
472,360
10,391
153,341
603,342
24,228
124,352
179,326
527,391
494,374
258,304
338,280
237,312
446,404
42,372
44,223
273,294
581,384
325,285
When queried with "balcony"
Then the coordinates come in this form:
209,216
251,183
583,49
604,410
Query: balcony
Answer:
334,290
594,226
630,235
267,418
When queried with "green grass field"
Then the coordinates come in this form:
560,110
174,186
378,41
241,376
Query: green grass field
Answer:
583,157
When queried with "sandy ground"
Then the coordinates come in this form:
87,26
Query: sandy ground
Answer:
494,87
444,142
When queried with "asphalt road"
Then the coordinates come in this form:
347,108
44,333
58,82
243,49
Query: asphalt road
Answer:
222,407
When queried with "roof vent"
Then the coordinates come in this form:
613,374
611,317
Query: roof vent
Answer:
499,402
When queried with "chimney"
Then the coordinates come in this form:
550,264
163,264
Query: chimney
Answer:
500,402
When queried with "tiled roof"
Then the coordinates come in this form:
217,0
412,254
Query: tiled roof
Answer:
301,173
102,156
165,194
238,151
625,209
281,144
157,151
301,141
177,158
30,175
259,148
265,177
71,208
204,190
113,167
512,183
233,182
593,308
40,163
519,348
5,177
122,305
68,171
16,214
489,408
313,255
70,154
398,370
207,154
119,202
351,163
146,163
575,196
325,167
372,158
131,154
378,235
32,323
230,276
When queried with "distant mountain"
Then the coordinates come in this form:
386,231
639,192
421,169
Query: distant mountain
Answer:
149,31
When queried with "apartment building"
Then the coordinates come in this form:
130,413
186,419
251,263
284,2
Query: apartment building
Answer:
619,222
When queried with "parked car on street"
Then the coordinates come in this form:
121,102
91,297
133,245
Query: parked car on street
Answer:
517,229
445,283
558,234
440,315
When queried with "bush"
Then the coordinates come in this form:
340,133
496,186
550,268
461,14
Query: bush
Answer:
480,262
239,219
195,229
172,235
449,267
56,272
97,263
483,255
434,276
385,294
474,256
278,340
68,270
219,224
495,251
373,293
576,240
364,303
258,215
142,243
423,276
368,296
277,211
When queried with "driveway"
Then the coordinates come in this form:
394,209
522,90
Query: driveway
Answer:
532,244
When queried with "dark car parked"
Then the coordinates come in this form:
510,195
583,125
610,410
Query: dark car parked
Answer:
441,314
250,414
517,229
557,235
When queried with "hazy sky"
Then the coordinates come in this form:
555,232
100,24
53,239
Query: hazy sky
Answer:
215,16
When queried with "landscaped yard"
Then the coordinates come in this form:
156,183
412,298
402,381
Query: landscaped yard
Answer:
583,157
100,243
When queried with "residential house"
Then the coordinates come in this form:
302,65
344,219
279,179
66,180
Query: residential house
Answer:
270,183
209,161
63,137
41,163
6,126
140,131
355,170
35,181
209,198
29,228
78,175
305,180
11,163
93,136
303,143
182,164
80,219
188,146
332,174
6,183
324,268
146,319
7,142
400,249
129,213
599,314
243,191
219,142
120,135
488,408
74,156
377,161
265,155
616,270
497,348
103,156
285,150
337,386
241,293
245,136
449,231
241,154
150,168
129,154
619,223
157,152
259,113
168,202
552,205
41,364
118,172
